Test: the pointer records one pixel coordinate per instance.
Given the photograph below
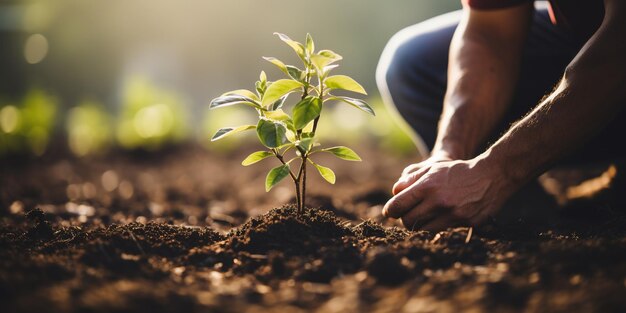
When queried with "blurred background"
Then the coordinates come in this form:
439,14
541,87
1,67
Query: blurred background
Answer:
89,76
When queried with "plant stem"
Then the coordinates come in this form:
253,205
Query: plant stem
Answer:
315,124
300,180
298,199
303,197
282,160
300,183
321,97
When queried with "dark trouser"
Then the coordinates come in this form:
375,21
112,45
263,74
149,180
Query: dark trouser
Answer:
412,76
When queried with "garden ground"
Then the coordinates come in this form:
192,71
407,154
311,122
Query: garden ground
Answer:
188,230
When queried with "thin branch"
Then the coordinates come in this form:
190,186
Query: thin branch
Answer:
282,160
300,194
303,197
321,97
315,124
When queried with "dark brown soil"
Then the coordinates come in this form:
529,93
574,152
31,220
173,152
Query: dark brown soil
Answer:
182,233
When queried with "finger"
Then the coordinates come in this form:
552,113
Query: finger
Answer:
404,201
418,216
412,168
408,180
440,223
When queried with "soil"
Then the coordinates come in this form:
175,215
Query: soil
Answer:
186,230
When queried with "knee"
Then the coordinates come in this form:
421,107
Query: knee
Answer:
412,72
400,60
415,60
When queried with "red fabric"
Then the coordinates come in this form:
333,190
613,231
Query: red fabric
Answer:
582,18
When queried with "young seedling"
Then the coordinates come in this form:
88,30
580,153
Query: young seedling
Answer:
280,132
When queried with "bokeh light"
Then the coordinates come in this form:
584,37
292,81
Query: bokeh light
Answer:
28,126
150,116
9,119
39,111
89,129
36,48
150,79
153,121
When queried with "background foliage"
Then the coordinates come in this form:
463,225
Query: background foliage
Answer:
103,56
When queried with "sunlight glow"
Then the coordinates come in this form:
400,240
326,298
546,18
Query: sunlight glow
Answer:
153,121
9,119
36,48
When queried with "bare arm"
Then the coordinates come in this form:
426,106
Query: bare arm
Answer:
484,64
592,91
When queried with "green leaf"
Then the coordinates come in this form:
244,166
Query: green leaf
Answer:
278,115
344,82
305,111
324,58
320,61
224,101
281,116
326,172
296,46
278,104
310,46
263,78
295,73
260,89
357,103
271,133
327,69
306,144
278,89
344,153
226,131
278,63
242,92
256,157
275,176
330,54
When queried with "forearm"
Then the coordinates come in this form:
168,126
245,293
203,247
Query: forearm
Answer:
590,94
479,89
482,75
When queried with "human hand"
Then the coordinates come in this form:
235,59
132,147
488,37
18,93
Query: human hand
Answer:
411,173
449,193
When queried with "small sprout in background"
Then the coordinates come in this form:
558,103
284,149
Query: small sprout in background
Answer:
28,126
10,122
291,137
39,110
89,129
150,117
